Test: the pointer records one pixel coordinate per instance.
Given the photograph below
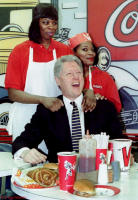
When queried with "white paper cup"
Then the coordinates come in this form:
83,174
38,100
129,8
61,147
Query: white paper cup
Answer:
122,151
102,175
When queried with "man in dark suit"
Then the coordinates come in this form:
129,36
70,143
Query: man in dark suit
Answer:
55,127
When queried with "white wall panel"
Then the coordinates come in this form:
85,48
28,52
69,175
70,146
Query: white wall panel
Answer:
45,1
73,17
70,5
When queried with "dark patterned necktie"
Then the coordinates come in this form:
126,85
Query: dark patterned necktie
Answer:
76,128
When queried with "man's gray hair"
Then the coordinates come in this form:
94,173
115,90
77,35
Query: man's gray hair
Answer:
59,63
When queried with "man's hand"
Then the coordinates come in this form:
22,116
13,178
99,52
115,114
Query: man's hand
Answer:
33,156
89,100
52,103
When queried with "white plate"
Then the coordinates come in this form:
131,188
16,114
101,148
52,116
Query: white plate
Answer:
106,190
101,191
26,182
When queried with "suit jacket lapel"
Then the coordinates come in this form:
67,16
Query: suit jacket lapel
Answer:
62,117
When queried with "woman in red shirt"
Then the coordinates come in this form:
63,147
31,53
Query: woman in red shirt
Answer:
30,77
101,82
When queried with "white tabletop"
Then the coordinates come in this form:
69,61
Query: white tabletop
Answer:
127,184
7,163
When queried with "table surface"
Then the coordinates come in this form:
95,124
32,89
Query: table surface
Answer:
127,184
7,163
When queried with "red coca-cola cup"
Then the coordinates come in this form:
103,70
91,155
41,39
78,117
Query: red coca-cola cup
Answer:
101,155
67,170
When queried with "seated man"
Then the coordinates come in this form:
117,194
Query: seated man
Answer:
56,127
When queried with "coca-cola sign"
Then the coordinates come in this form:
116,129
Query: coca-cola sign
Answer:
117,27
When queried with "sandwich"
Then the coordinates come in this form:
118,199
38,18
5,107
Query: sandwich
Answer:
84,188
51,166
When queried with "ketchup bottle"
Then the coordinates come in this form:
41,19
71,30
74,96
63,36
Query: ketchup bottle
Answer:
87,154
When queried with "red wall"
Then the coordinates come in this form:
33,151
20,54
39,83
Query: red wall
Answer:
121,16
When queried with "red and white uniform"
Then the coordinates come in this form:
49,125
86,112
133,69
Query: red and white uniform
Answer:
101,82
30,69
19,60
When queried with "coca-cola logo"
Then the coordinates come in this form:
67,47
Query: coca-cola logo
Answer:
110,35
